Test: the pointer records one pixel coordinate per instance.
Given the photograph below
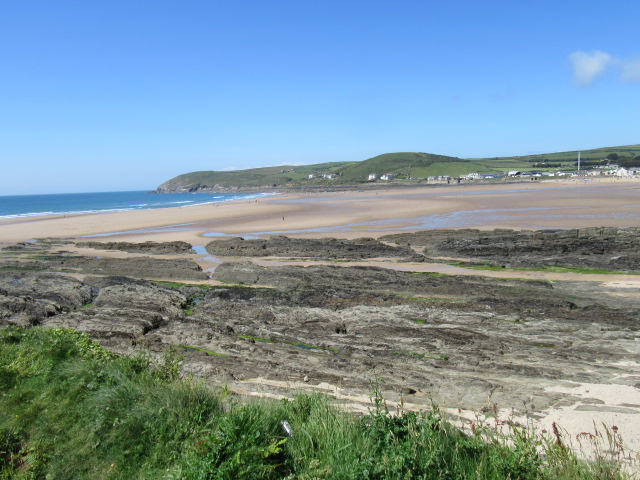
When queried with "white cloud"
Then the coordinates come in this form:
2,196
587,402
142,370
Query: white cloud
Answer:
588,66
631,71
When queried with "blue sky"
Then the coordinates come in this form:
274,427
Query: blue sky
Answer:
122,95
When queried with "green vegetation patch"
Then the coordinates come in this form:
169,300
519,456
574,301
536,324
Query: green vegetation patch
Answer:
550,269
305,346
178,285
83,307
191,348
413,298
428,274
18,268
596,271
451,169
71,410
475,266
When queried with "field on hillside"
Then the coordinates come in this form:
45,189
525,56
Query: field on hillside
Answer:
403,165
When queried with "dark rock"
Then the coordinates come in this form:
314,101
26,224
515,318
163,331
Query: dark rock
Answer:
281,246
594,248
153,248
28,298
137,267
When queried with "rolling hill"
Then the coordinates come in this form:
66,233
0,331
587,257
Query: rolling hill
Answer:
407,167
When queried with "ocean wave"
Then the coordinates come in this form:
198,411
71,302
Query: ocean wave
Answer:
31,206
26,215
62,214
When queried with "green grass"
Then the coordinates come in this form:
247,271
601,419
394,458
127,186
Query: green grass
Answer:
413,298
451,169
18,268
178,285
550,269
428,274
191,348
71,410
83,307
486,266
306,346
598,271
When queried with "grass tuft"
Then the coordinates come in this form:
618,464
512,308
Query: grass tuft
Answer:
71,410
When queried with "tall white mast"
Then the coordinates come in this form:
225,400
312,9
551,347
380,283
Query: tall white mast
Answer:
578,161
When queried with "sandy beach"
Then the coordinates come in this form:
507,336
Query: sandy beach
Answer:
553,204
373,213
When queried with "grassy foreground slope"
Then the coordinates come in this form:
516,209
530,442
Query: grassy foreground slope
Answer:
71,410
405,165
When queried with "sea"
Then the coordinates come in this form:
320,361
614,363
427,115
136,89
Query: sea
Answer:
20,206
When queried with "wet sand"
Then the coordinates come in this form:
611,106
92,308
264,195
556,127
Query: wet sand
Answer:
552,204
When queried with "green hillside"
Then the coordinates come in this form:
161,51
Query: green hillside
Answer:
405,166
568,159
401,164
254,177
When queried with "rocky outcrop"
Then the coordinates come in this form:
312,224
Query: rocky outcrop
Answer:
595,248
137,267
462,341
331,248
338,286
151,248
123,313
27,299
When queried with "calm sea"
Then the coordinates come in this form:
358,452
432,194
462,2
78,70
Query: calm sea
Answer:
16,206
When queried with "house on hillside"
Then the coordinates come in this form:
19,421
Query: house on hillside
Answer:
387,176
373,176
474,176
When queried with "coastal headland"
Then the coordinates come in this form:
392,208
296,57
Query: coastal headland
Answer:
519,299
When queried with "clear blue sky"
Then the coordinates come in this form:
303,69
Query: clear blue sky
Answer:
123,95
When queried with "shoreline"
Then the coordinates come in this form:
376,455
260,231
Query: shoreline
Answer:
357,213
